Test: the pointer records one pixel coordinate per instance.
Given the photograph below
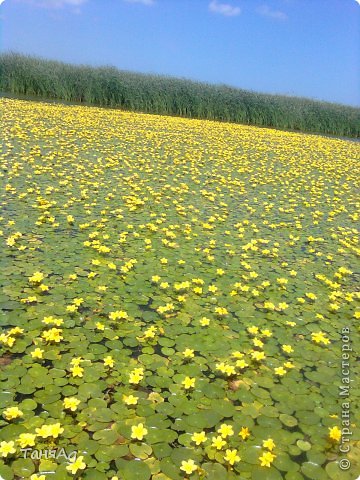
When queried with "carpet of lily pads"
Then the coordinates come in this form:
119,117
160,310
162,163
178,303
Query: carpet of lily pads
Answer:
176,296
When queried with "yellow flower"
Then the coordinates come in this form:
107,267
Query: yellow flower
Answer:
320,337
269,444
71,308
231,456
136,375
35,476
46,431
269,306
188,353
225,430
76,361
71,403
77,371
280,371
244,433
287,348
12,412
218,442
109,362
120,314
78,301
37,353
100,326
7,448
266,459
253,330
26,440
241,364
15,331
188,382
130,399
204,322
258,343
188,466
335,433
282,306
138,431
76,465
53,320
289,365
221,311
257,355
52,335
135,378
199,438
37,277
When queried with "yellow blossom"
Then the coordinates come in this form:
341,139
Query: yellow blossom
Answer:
77,371
188,353
218,442
26,440
138,431
287,348
71,403
244,433
109,361
76,465
130,399
335,433
280,371
11,413
266,459
199,438
231,456
188,466
53,430
37,353
7,448
37,277
269,444
225,430
188,383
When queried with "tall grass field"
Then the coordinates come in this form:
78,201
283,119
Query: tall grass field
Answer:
109,87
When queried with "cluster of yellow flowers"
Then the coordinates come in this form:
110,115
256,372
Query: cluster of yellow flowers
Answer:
169,229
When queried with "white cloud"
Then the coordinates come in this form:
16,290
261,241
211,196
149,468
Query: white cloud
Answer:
224,9
148,3
357,1
268,12
2,1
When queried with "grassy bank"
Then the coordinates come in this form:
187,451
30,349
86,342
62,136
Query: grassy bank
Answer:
107,86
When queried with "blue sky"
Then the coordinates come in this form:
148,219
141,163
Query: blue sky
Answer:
298,47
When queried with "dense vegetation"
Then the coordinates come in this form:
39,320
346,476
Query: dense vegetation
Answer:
107,86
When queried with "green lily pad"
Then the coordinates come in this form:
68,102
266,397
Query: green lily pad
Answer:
23,467
313,471
133,470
